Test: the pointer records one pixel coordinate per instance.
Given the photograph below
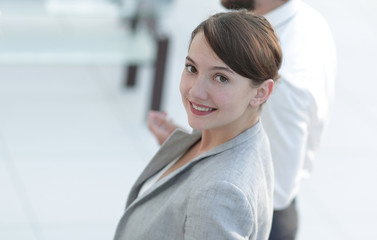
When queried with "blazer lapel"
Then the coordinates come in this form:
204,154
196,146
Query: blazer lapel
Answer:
168,152
173,147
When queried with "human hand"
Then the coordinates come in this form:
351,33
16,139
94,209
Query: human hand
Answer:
160,125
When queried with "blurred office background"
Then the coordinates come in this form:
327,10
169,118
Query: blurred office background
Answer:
73,135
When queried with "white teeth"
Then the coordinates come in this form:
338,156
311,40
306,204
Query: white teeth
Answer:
202,109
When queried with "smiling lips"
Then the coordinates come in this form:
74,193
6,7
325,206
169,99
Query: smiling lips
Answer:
200,109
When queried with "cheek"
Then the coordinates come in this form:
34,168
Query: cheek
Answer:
234,101
223,99
184,86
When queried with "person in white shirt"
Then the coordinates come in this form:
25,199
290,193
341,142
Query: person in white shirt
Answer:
298,110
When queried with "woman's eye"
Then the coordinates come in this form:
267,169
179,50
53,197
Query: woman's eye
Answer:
190,68
221,79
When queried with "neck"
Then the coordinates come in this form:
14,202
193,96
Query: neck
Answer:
265,6
212,138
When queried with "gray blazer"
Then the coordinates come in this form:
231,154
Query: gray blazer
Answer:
225,193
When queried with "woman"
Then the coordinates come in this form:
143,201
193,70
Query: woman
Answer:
217,182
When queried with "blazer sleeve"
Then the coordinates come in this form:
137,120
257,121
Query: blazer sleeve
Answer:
219,211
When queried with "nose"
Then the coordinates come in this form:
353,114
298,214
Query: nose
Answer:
199,88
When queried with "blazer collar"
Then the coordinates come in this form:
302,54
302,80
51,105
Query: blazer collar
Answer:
169,151
174,146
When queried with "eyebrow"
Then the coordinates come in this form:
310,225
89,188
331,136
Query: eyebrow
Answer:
215,67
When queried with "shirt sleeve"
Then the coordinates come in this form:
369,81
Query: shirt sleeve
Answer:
219,211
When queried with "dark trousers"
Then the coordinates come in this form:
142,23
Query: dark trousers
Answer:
285,223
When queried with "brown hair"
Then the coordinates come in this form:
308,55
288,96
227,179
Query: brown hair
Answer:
244,41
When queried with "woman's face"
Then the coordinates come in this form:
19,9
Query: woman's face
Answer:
214,95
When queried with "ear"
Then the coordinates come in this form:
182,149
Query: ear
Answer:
263,92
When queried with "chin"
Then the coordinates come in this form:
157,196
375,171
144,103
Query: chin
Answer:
196,125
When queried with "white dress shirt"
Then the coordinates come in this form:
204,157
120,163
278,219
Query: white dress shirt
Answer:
298,109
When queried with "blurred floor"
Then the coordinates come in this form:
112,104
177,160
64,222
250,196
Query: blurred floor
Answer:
73,140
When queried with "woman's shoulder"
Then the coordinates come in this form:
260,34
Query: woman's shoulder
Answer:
241,169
